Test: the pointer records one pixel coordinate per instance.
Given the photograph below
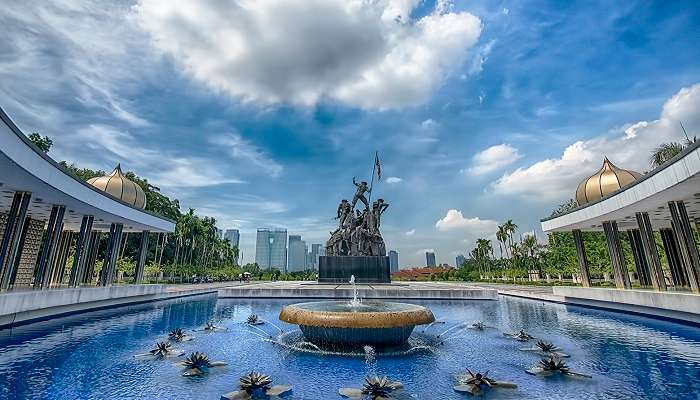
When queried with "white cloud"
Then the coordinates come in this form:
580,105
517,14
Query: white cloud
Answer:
160,168
365,54
393,179
454,220
75,51
557,178
493,159
411,232
240,149
480,57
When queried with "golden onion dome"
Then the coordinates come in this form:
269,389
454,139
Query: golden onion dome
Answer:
607,180
119,186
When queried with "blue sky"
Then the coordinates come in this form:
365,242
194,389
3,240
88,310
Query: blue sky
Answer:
260,113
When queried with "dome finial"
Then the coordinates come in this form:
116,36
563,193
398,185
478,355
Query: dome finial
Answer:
121,187
607,180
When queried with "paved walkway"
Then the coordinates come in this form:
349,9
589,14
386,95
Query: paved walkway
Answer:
545,293
394,290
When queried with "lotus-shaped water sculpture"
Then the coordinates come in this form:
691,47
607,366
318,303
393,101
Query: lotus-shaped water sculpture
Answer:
553,365
178,335
162,350
475,383
545,349
375,387
479,326
520,336
211,327
255,385
253,319
199,364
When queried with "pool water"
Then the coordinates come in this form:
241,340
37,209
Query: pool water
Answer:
90,356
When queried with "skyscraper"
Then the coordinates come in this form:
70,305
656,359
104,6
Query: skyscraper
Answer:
317,249
233,236
297,254
459,261
271,249
430,259
393,261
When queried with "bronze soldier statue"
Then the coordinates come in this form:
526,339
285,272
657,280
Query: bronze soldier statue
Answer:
362,188
378,208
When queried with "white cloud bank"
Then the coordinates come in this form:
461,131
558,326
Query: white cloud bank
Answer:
393,179
556,178
454,220
492,159
366,54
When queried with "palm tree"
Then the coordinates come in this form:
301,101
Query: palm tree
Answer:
510,229
502,237
665,152
530,246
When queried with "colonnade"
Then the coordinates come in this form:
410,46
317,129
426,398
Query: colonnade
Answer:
679,246
50,266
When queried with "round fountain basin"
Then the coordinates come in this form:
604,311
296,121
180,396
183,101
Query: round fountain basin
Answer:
369,323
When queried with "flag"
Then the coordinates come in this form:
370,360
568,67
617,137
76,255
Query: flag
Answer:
378,165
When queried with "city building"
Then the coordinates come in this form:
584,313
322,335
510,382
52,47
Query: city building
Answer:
297,254
317,250
234,238
430,259
219,233
460,260
393,261
271,249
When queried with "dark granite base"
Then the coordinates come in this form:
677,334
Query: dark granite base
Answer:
367,269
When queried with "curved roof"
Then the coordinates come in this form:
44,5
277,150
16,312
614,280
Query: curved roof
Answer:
607,180
120,187
23,167
677,179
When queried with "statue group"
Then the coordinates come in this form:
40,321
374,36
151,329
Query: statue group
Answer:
358,230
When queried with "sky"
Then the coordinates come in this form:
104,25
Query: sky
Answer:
260,113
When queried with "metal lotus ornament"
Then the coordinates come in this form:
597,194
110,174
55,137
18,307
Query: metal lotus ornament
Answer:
479,326
178,335
199,364
211,327
474,384
553,365
255,385
545,349
375,388
162,350
520,336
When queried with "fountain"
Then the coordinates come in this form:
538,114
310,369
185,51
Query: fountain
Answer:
356,323
356,251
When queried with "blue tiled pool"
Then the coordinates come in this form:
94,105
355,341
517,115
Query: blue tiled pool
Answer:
90,356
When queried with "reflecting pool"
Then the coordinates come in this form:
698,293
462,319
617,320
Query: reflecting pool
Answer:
91,356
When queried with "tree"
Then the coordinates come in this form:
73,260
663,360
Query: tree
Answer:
502,237
564,208
43,143
664,152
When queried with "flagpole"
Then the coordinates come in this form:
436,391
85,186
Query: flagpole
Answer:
371,185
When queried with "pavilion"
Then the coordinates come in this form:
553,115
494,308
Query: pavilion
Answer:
665,200
46,214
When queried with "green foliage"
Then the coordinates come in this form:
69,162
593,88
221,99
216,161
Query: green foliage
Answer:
564,208
42,143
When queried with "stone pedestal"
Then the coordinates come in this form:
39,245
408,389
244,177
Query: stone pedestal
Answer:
367,269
